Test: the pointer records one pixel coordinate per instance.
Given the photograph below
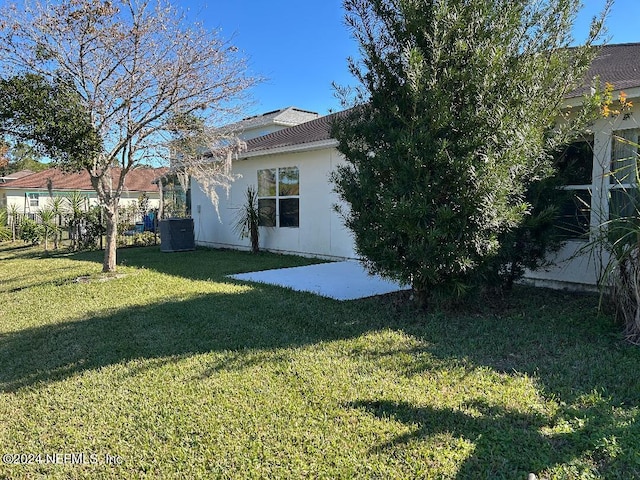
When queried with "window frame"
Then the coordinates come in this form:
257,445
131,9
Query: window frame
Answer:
614,184
586,188
278,198
34,199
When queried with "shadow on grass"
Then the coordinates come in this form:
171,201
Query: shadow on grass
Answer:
18,283
202,263
20,249
230,322
557,337
575,355
510,444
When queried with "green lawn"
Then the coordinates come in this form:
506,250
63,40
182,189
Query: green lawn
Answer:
175,371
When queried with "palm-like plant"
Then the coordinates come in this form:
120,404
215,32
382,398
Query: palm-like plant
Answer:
248,219
13,214
58,205
620,237
48,222
77,203
5,230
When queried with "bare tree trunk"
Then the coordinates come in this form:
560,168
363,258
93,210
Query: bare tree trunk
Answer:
255,237
111,218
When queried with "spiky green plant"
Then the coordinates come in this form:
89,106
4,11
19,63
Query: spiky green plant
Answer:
48,223
77,202
248,219
5,230
58,205
619,237
13,214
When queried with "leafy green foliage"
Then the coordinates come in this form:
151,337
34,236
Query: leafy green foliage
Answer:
451,125
542,230
31,231
20,156
5,229
144,239
50,114
90,228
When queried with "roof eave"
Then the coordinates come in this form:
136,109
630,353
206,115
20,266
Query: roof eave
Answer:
632,92
302,147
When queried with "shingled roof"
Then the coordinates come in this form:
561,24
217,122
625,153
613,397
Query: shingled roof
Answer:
616,64
137,180
11,177
306,134
286,117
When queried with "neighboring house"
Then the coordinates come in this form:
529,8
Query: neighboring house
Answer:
32,192
9,178
15,175
291,170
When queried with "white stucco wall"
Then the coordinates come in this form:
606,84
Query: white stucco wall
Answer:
16,197
321,232
577,263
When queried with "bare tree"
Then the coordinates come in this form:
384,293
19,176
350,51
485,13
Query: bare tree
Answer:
136,65
203,153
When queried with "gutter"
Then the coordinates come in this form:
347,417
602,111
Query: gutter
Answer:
301,147
632,92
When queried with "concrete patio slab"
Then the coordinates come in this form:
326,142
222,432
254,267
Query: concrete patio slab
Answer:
338,280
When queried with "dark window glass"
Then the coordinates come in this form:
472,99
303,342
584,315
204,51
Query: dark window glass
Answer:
625,202
574,215
289,212
267,211
575,163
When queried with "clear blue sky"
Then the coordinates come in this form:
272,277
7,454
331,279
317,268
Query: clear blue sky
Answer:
301,46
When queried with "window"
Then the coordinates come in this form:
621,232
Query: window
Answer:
575,165
623,193
34,199
176,201
279,197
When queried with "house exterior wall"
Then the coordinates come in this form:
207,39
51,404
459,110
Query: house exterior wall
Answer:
259,131
17,197
321,231
580,263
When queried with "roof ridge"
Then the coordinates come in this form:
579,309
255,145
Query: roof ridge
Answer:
625,44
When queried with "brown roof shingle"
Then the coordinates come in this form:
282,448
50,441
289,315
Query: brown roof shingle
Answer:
137,180
618,64
306,133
